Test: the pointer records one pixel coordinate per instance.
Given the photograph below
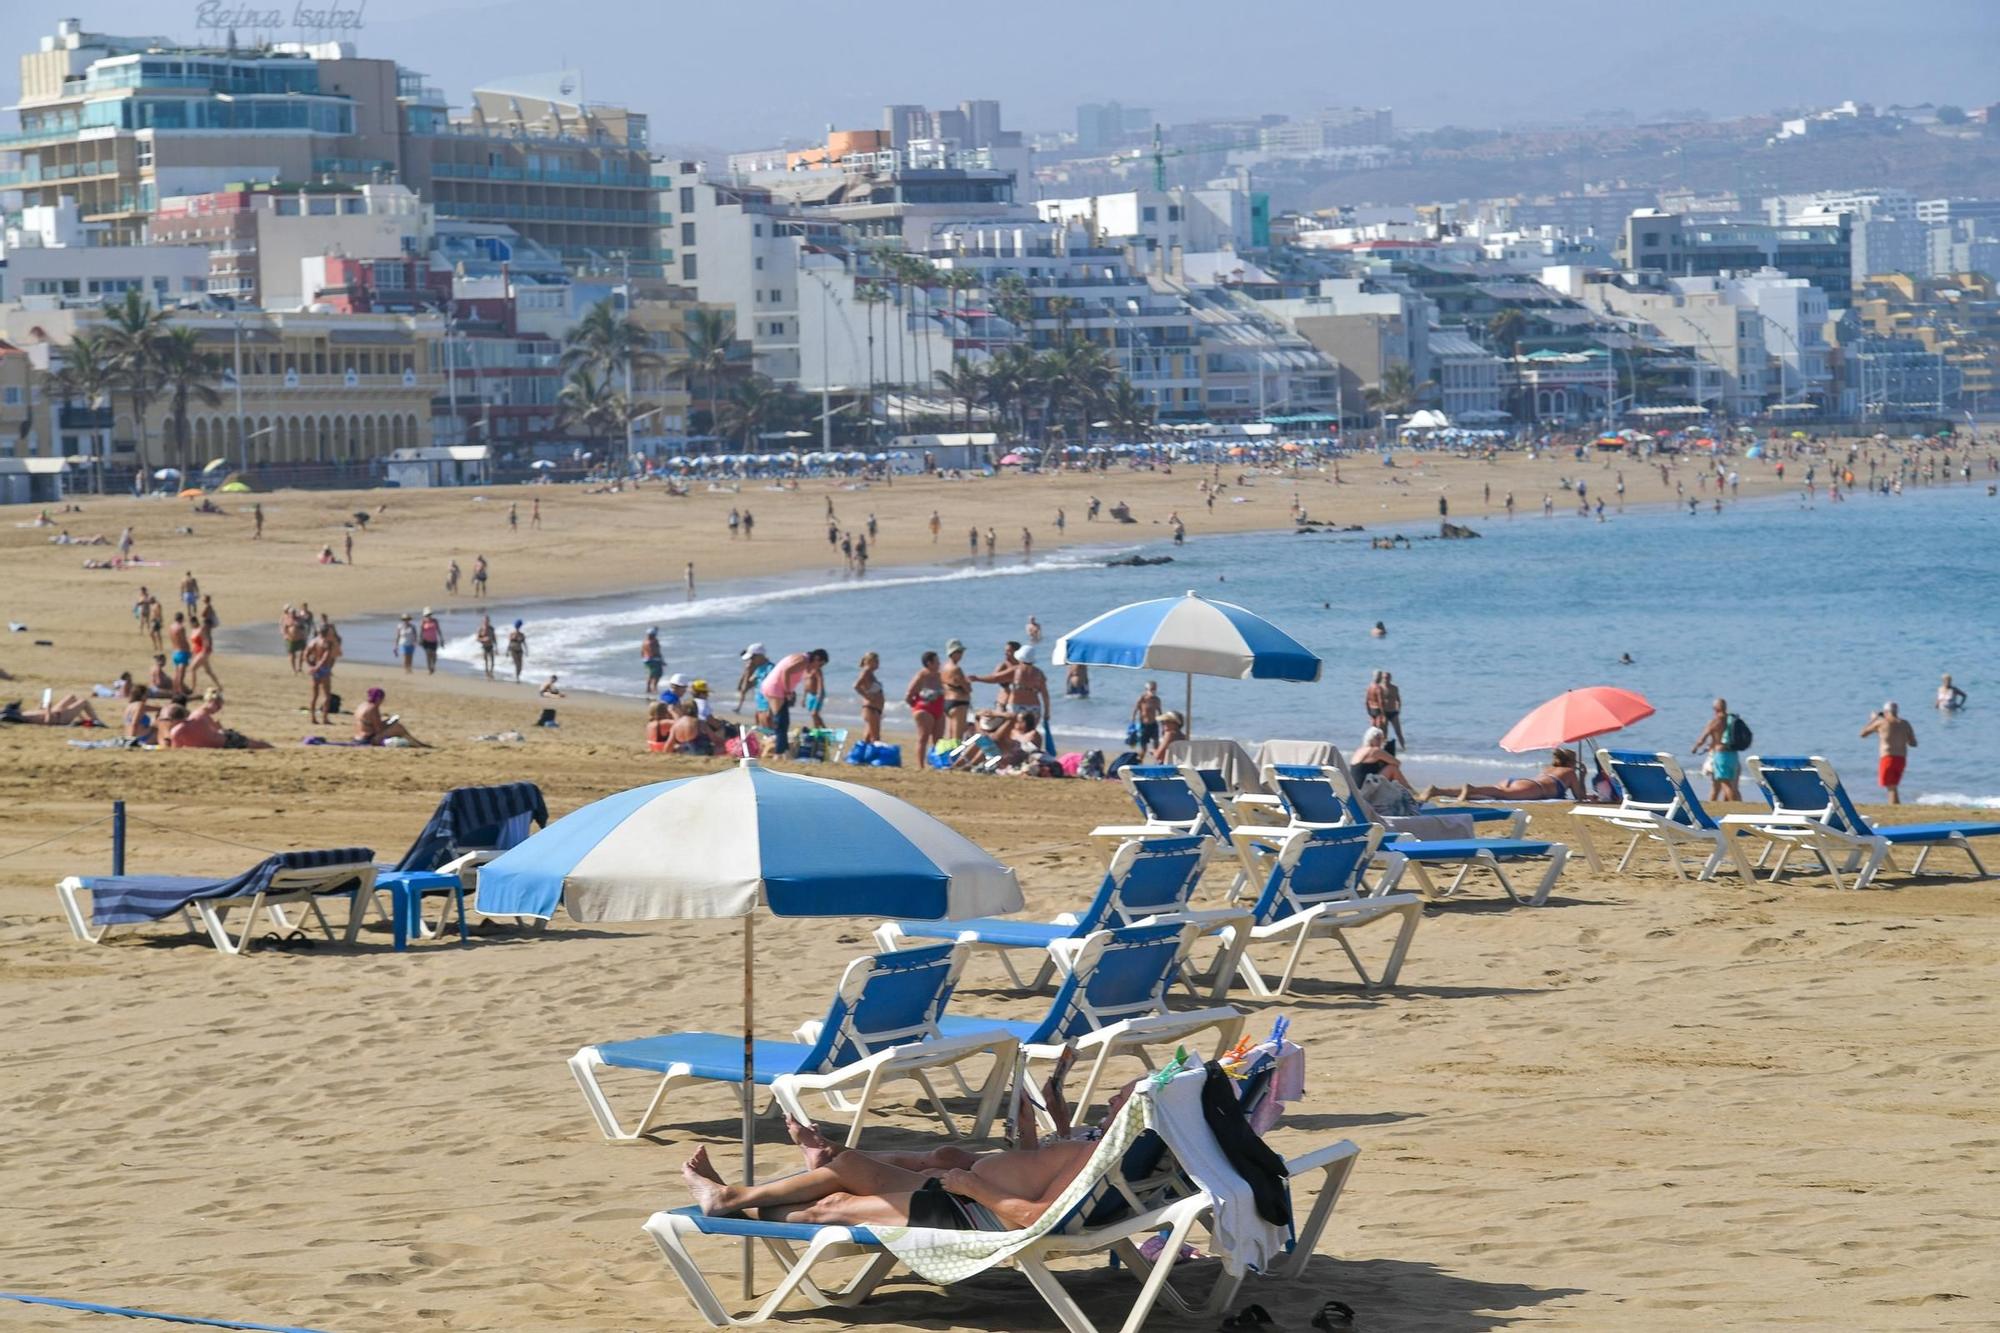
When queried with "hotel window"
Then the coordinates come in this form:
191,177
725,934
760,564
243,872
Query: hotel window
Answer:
687,233
687,267
687,199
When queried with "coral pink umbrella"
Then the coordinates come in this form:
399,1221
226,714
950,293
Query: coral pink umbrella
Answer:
1576,715
786,675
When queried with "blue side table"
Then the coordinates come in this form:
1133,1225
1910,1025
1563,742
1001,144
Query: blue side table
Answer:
406,898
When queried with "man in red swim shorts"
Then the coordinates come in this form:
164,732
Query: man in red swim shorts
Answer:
1896,736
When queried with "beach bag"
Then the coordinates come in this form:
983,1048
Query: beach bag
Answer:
1386,797
1093,764
860,752
1072,763
1735,733
887,756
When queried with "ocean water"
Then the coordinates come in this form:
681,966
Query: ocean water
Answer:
1805,617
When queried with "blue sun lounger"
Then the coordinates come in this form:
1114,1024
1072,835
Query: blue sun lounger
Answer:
1322,797
470,826
1811,811
1148,878
205,901
881,1027
1315,890
1659,805
1112,1003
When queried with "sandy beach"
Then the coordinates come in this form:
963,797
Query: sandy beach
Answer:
1651,1103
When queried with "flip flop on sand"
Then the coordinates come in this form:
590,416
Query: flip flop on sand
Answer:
1250,1316
1334,1316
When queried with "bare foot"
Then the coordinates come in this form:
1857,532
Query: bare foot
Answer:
1465,792
702,1182
812,1144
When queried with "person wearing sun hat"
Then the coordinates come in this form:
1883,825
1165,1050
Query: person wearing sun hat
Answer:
756,666
430,637
406,642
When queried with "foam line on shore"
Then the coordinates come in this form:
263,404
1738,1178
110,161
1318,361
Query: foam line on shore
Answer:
550,638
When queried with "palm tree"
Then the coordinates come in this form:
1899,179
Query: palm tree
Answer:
710,335
87,375
1398,392
1504,332
752,407
608,343
966,383
870,295
1014,301
1127,410
131,340
186,374
592,405
1083,374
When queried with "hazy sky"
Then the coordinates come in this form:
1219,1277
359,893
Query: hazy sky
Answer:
741,73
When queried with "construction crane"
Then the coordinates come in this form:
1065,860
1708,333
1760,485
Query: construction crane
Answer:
1161,153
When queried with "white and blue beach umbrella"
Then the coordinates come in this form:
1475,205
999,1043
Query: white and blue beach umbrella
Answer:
1193,636
723,844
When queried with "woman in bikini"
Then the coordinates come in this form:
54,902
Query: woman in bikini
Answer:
925,696
139,728
488,642
873,698
957,692
1561,780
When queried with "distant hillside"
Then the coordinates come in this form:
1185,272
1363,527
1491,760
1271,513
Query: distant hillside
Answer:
1731,157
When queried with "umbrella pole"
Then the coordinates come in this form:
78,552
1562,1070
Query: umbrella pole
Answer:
1187,707
749,1089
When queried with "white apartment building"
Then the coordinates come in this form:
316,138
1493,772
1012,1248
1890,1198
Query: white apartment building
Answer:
1092,292
1363,330
1694,313
1215,218
50,258
1795,316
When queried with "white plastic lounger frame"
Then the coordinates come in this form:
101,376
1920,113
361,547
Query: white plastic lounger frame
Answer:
673,1232
1661,806
1327,914
287,888
908,1054
1471,860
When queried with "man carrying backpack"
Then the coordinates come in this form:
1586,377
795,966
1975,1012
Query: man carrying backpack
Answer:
1725,737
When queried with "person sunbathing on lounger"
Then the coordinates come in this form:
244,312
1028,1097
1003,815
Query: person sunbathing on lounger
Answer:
947,1189
70,710
1561,780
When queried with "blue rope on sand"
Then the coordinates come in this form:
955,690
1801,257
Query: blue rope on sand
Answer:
89,1307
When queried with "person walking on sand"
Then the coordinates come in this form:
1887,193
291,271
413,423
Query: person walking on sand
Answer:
873,697
321,654
735,522
749,525
517,649
1724,739
406,642
690,580
190,592
347,545
1897,738
514,517
257,513
294,629
535,512
451,579
488,640
177,640
972,540
145,610
430,637
936,523
201,647
479,576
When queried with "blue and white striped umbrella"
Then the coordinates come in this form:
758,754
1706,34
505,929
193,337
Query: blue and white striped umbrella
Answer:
1191,635
721,844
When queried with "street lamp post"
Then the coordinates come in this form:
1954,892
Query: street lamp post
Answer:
236,374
